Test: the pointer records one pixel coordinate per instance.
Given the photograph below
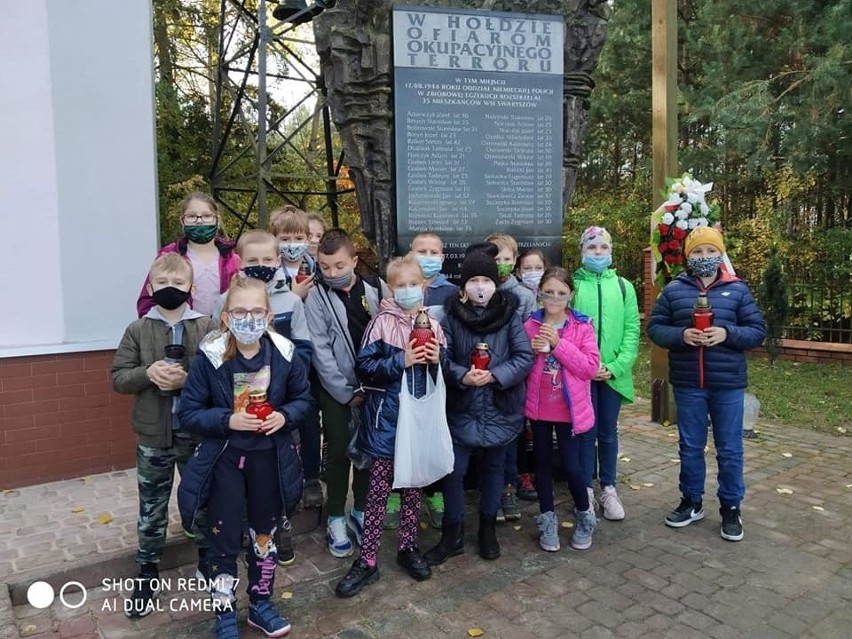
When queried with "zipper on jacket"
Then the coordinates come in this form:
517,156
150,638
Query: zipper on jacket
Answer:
600,312
204,479
379,412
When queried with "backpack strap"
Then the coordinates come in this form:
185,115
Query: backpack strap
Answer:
623,288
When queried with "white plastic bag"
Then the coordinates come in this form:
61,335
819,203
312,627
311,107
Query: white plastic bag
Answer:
424,449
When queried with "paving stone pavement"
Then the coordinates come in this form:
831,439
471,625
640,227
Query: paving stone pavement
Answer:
790,577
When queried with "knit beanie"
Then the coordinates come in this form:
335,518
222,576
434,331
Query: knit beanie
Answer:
703,235
479,259
597,233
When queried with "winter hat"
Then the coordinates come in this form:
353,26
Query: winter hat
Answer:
597,233
703,235
479,260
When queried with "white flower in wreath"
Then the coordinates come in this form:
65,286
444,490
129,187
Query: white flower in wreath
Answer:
704,209
668,218
692,224
681,215
701,221
686,206
674,198
681,224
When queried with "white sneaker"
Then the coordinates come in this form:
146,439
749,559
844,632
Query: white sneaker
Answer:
339,544
613,509
593,503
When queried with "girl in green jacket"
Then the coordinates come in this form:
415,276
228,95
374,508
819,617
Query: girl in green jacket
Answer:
610,301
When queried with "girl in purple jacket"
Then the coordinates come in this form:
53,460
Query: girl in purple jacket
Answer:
559,398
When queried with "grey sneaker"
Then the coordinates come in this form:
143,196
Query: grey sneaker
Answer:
593,503
312,497
584,529
509,504
548,531
611,505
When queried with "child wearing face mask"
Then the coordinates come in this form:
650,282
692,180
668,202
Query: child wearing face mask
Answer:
290,225
247,462
145,366
487,403
610,300
339,308
531,266
211,254
559,399
708,372
316,228
386,354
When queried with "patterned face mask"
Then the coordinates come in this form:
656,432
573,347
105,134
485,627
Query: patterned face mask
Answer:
704,266
292,251
200,233
480,294
247,330
260,272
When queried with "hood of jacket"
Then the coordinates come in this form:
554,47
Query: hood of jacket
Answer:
214,344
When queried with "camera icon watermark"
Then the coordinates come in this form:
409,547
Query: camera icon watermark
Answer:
41,595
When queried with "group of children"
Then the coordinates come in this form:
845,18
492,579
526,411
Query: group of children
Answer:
240,348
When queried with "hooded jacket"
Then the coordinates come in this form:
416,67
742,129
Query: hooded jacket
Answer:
229,264
577,352
380,365
490,415
723,366
524,296
615,316
207,404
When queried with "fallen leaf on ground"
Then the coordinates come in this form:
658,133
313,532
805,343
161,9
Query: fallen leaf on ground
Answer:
666,423
85,479
634,487
516,527
475,632
786,454
647,484
105,518
848,485
818,508
29,628
674,461
625,459
286,595
840,429
77,509
784,491
567,524
671,434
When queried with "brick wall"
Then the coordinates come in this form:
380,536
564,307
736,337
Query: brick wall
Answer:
812,352
59,419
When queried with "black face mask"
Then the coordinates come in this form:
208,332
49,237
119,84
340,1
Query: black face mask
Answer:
260,272
169,297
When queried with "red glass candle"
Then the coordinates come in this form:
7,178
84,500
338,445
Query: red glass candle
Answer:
702,313
258,406
481,357
422,332
303,273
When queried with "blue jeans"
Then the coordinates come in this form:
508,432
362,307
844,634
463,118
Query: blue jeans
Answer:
599,446
490,482
725,408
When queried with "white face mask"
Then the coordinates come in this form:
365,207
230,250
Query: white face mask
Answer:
480,293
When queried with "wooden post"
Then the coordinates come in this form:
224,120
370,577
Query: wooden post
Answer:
664,150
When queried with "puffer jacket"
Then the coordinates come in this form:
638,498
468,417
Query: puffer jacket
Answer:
490,415
723,366
578,354
206,406
229,264
615,315
380,365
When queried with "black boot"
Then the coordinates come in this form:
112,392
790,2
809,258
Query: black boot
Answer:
489,548
451,544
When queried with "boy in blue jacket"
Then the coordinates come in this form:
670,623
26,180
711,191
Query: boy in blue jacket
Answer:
708,374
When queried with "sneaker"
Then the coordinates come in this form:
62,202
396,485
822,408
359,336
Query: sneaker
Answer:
732,523
226,625
339,544
263,616
355,523
548,531
509,504
142,600
313,494
435,508
414,564
392,512
501,516
584,528
359,575
593,503
611,505
686,513
526,489
284,543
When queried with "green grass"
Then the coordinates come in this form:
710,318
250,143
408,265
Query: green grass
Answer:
813,396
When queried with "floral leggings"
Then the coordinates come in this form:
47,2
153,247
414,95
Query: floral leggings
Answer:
381,481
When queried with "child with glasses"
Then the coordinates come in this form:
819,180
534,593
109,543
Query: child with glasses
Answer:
559,399
245,393
210,253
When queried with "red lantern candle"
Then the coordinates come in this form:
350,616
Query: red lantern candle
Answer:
422,332
258,406
481,357
702,313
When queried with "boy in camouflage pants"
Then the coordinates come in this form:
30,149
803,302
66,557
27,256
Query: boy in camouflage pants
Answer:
151,363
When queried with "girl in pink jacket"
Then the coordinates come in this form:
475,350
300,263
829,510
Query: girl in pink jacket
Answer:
559,398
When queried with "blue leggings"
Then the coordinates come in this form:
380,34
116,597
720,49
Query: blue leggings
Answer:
569,455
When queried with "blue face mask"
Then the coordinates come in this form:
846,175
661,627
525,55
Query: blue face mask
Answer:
292,251
408,297
260,272
430,266
597,263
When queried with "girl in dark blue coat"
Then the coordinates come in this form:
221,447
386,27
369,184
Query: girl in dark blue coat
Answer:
387,352
485,407
707,370
245,463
